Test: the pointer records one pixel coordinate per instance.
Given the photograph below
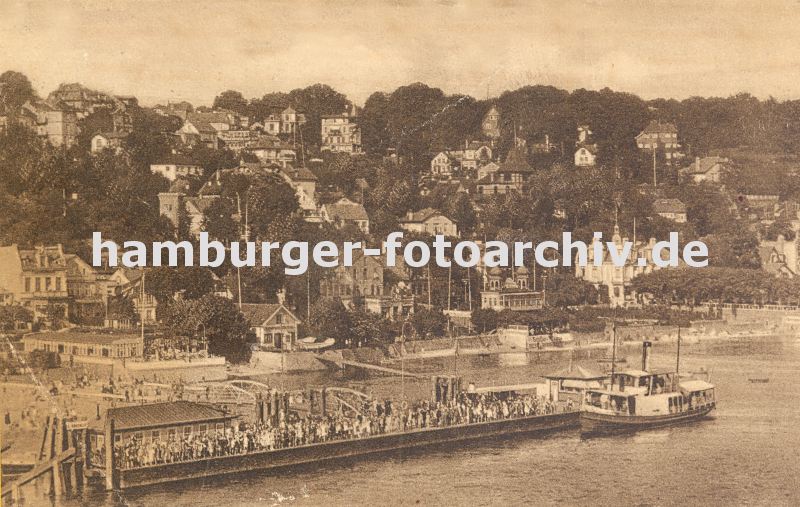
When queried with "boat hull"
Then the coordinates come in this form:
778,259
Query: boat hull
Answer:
593,423
342,449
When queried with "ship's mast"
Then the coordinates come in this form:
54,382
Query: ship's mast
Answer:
678,355
613,349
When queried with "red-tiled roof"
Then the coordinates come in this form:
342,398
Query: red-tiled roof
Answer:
163,414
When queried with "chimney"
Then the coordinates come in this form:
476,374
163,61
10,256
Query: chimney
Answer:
281,295
646,355
547,142
697,163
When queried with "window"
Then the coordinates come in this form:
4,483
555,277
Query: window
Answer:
187,430
58,283
47,283
27,284
203,428
38,284
156,435
279,318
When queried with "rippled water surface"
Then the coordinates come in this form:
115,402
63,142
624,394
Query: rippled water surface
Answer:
749,453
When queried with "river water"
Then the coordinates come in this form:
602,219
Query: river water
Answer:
748,453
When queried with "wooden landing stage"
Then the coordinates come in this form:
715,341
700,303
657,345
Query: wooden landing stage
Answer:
342,449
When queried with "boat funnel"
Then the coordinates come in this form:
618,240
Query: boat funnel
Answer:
646,345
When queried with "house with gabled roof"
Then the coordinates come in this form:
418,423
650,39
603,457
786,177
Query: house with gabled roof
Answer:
176,166
346,212
110,140
274,325
671,209
443,164
660,136
429,221
706,169
513,175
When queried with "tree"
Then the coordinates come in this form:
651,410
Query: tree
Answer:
429,322
484,320
11,316
330,319
43,360
218,221
565,290
15,90
366,328
316,101
269,199
190,282
225,327
232,101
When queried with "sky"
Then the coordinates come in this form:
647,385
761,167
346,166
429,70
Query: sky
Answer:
162,50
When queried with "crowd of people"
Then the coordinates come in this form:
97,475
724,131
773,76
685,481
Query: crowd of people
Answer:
291,431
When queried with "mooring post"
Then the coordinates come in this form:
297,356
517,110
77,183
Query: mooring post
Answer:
85,454
109,439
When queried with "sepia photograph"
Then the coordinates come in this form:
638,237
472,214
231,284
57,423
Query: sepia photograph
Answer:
399,252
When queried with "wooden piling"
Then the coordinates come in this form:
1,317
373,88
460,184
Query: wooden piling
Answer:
109,443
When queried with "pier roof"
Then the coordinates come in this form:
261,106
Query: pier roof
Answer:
174,413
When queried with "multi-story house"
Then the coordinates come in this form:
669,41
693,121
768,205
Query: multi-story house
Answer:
304,183
660,137
53,122
346,212
442,164
513,175
474,155
42,272
706,169
617,279
362,285
671,209
108,140
207,128
490,126
89,290
287,122
586,149
184,210
351,283
341,133
429,221
509,289
237,139
177,166
270,149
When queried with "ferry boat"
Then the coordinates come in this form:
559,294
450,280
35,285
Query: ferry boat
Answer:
633,400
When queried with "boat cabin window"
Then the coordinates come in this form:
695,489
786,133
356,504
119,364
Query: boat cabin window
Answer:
618,404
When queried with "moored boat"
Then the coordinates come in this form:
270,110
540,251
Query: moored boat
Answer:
634,400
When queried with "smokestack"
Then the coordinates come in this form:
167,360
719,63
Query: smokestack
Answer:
697,163
646,355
